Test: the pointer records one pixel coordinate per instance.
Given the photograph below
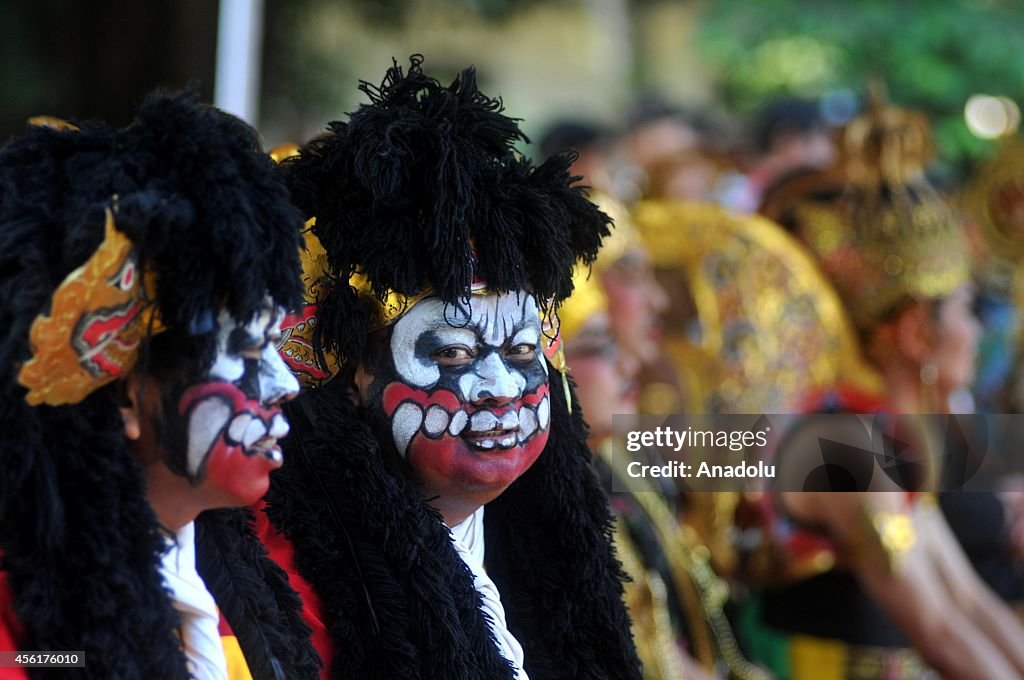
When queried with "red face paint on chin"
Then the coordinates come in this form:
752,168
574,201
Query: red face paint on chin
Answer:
232,443
454,445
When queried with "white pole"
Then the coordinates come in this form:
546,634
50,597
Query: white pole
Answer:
239,45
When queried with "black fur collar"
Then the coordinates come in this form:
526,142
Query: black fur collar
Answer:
400,603
253,594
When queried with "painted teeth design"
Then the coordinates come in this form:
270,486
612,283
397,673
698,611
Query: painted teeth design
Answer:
203,430
543,412
404,424
274,454
527,423
254,432
279,428
436,421
410,418
237,427
510,420
483,421
458,424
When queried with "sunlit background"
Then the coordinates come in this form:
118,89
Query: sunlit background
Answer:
291,65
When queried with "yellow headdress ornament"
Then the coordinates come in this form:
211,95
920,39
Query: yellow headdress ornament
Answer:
884,235
995,200
771,328
98,316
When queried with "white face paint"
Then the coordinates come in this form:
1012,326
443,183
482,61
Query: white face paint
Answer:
237,344
491,320
233,419
465,391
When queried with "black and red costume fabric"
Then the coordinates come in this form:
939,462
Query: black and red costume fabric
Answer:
80,544
423,188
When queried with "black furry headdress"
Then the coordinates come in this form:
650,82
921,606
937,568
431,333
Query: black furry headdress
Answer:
423,187
80,544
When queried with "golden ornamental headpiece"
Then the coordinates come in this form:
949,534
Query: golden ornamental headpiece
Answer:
52,122
886,145
98,316
283,151
588,298
995,199
296,345
772,329
888,236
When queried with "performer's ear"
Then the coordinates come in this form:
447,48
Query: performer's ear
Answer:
129,394
361,380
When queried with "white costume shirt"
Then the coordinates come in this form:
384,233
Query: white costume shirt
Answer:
194,604
468,539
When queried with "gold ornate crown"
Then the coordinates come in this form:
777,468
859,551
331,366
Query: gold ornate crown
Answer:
888,237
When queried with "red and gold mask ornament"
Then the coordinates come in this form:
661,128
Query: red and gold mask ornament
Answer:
98,317
296,343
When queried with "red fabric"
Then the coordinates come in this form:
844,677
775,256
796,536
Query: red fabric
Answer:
10,630
283,553
223,627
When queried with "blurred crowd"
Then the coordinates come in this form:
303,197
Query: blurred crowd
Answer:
805,266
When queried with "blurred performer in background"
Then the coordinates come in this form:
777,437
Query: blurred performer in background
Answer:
437,509
788,134
877,585
991,526
674,598
145,273
637,301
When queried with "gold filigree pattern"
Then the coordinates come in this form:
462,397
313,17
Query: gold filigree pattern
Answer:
296,345
772,329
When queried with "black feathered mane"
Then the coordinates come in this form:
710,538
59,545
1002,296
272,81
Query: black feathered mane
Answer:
80,543
423,187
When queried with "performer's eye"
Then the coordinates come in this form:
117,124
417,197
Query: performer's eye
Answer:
524,351
454,355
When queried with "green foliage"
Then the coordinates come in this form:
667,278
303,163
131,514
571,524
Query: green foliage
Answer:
932,54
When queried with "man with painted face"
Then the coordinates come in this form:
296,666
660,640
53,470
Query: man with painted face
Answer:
437,509
143,278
